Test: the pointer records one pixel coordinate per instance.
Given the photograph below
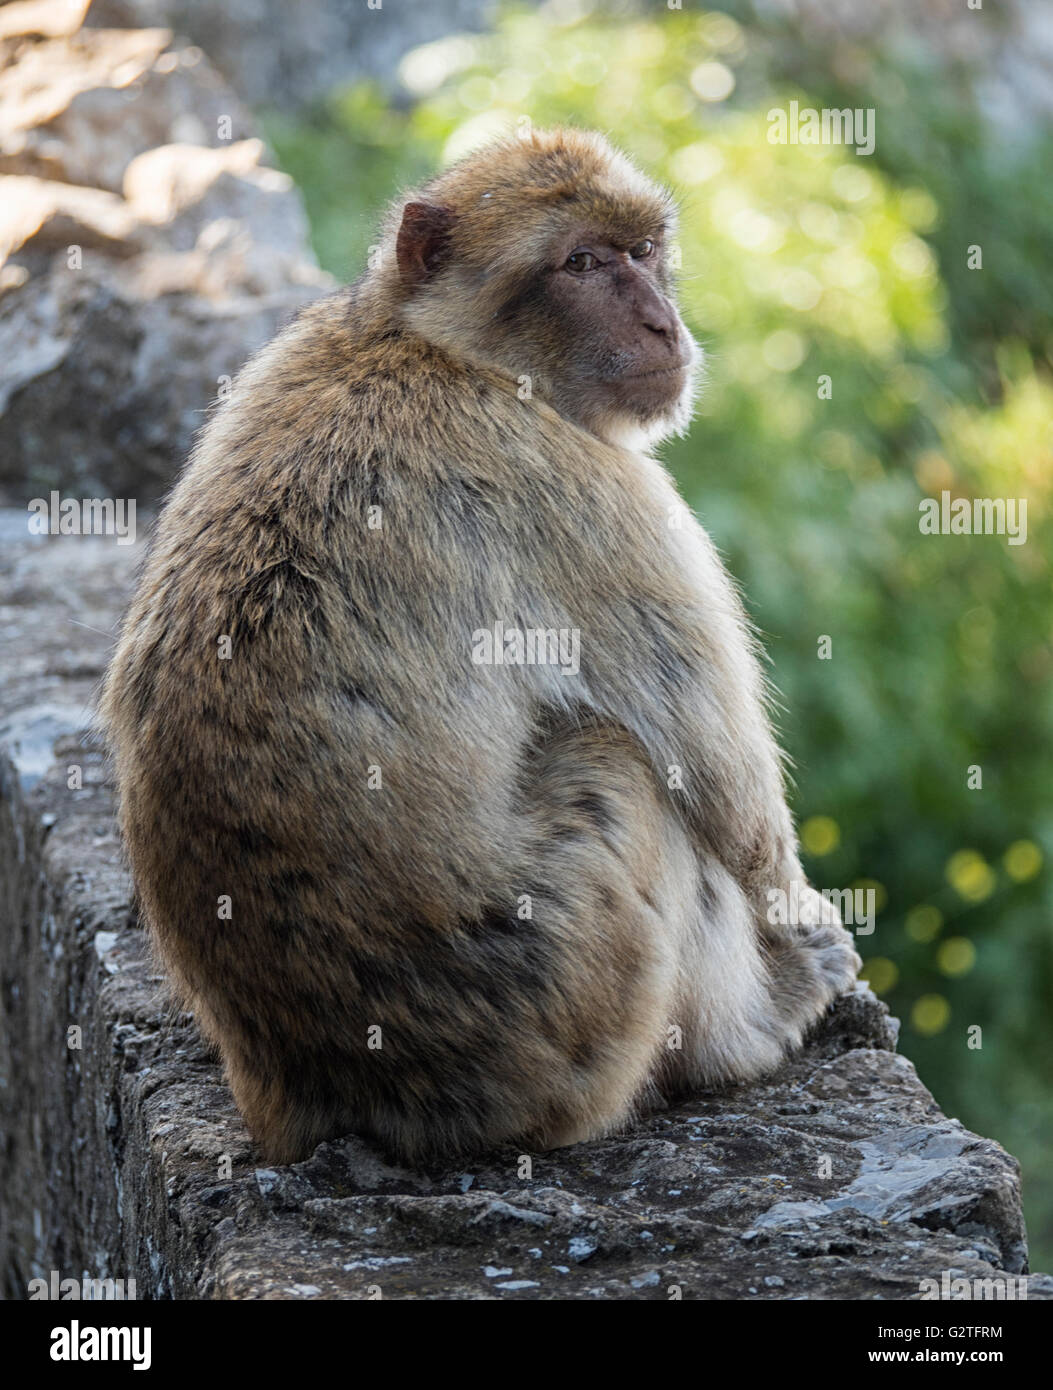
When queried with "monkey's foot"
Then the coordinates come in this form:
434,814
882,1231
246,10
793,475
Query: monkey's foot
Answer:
833,956
808,970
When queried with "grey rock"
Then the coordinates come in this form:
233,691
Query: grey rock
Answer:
127,1158
147,250
29,736
78,109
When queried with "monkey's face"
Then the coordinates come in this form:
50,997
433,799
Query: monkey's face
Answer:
626,363
546,258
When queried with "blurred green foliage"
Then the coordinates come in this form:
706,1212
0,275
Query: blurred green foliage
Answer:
799,262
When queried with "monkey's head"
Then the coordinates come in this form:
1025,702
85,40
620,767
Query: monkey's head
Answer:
547,259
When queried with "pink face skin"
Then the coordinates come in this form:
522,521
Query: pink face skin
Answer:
634,356
594,327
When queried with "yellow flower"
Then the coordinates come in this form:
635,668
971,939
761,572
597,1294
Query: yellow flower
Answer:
820,835
923,923
930,1014
956,956
1022,860
880,974
970,875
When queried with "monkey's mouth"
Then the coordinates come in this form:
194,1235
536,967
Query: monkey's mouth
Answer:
654,389
676,370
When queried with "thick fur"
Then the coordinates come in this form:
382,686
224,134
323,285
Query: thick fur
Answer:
397,907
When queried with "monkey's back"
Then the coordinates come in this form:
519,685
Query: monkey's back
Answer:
321,795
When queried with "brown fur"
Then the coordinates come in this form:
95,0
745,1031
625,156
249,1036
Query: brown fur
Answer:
398,906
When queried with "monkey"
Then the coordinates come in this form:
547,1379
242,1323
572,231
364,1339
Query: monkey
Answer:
411,884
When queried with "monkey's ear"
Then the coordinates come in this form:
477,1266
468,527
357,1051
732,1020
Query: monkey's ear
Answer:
423,240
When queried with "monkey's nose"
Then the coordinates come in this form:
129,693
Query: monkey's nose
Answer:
657,314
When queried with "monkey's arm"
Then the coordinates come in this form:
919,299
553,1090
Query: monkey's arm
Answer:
666,652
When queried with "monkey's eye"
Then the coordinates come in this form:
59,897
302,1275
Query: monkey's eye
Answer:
580,261
642,249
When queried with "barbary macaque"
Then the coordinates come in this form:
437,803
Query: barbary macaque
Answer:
442,900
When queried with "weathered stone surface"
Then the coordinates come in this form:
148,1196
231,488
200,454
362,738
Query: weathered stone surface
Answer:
146,252
114,1154
79,108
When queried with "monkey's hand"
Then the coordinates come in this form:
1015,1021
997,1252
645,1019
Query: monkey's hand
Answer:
833,957
811,961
